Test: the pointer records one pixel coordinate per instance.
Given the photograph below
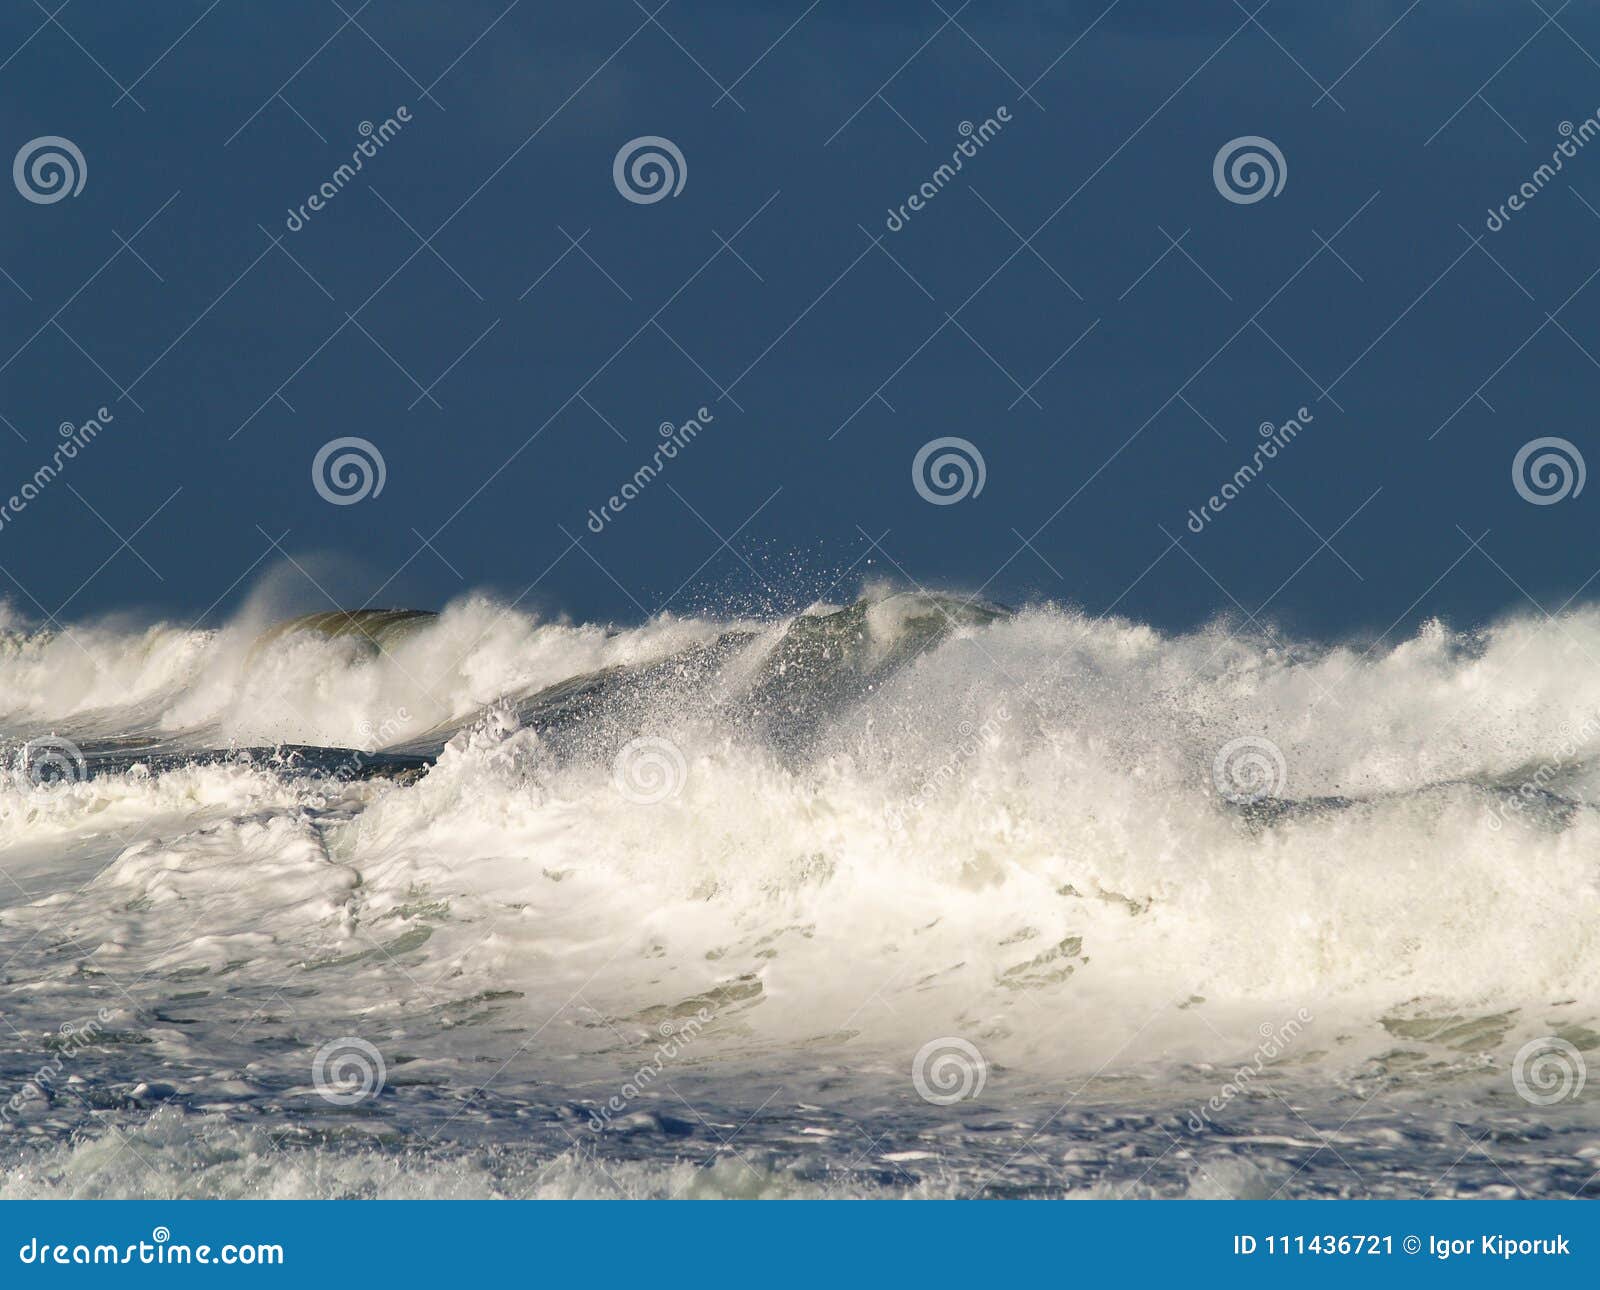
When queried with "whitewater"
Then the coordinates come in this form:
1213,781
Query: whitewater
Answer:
914,896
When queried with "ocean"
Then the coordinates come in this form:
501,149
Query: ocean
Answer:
908,897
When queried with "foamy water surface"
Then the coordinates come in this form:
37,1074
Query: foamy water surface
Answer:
910,897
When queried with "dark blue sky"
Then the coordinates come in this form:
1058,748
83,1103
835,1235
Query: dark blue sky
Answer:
758,291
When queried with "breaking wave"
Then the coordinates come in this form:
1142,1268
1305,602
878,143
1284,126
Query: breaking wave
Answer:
488,840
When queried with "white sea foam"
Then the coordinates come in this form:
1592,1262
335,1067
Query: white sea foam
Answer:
1014,837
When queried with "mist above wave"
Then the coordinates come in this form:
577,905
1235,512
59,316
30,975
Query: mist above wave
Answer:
969,806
